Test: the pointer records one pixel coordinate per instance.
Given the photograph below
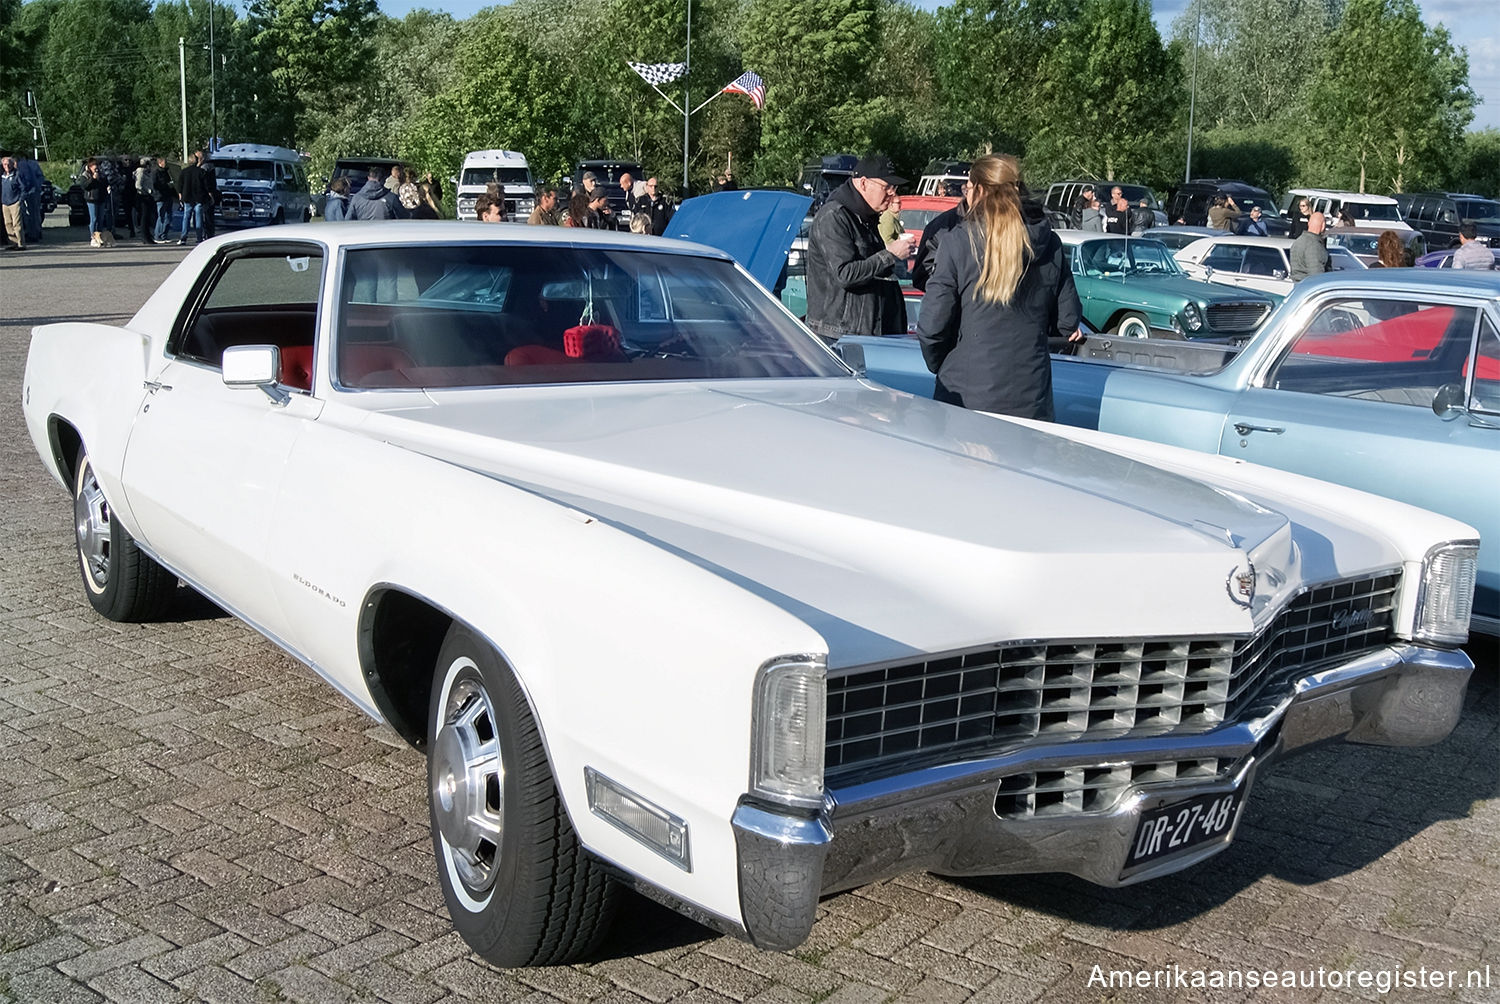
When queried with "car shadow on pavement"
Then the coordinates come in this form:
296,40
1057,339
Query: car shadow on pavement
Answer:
189,605
1316,817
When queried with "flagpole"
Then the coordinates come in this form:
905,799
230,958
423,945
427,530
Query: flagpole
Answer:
695,111
687,115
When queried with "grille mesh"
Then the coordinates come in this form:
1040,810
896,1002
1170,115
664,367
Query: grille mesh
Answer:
1093,789
1015,694
1237,316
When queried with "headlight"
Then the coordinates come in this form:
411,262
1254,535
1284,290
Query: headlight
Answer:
786,762
1447,596
1191,317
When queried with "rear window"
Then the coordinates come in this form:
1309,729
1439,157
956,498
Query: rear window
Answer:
496,314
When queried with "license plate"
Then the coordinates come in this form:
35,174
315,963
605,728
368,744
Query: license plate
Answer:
1179,826
230,214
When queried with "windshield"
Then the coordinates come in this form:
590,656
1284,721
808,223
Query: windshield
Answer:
1358,243
1479,210
917,219
245,170
478,177
1135,193
1373,211
1341,258
1125,256
1267,207
497,314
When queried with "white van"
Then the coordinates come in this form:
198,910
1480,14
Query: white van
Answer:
505,166
260,184
1376,212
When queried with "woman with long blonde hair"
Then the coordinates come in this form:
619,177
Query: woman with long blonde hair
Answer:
1000,288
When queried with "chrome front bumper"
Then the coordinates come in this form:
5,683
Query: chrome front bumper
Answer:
943,819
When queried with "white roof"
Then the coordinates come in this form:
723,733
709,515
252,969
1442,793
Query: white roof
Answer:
1084,236
415,233
1252,241
494,157
255,150
1329,193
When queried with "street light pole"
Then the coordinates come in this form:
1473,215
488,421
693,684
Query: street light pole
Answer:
686,104
213,101
1187,171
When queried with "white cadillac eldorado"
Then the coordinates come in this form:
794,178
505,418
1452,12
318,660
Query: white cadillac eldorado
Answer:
673,600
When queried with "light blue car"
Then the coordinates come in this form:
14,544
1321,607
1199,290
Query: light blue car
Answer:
1386,380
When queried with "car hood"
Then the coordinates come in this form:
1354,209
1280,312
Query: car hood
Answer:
1200,291
890,524
756,228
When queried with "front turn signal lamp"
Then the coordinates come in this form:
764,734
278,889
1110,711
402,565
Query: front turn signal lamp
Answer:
788,725
1446,598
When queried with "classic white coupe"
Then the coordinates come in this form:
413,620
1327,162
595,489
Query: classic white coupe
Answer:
672,599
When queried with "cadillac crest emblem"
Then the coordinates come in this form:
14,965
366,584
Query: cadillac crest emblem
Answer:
1241,584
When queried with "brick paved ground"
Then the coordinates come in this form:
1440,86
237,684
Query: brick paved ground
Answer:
187,814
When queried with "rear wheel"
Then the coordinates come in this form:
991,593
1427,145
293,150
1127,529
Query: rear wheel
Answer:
1132,325
121,582
519,886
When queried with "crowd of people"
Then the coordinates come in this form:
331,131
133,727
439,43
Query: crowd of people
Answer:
21,182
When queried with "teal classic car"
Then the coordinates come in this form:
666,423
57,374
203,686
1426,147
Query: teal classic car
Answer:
1134,288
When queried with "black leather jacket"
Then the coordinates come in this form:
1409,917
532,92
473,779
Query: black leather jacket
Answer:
851,283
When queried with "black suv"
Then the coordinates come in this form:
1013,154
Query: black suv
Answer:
1189,204
1438,216
820,177
608,173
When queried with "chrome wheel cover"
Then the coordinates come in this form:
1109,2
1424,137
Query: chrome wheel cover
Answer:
91,524
468,785
1134,327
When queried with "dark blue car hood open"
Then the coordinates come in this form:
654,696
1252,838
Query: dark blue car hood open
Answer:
755,227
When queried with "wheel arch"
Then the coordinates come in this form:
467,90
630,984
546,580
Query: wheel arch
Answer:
400,635
65,441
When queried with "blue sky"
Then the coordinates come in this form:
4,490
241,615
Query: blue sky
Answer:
1474,24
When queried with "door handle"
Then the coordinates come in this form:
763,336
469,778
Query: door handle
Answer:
1245,428
155,385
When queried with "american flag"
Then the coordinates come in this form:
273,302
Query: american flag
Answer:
657,74
748,83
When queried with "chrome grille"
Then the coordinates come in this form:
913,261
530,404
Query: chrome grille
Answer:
1074,790
1237,316
890,718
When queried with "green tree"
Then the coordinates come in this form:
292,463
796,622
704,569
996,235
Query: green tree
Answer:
815,60
88,110
1109,102
1390,101
310,51
1255,57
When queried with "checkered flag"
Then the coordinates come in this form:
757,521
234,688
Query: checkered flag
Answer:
750,85
657,74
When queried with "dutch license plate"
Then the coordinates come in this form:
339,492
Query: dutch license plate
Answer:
1178,826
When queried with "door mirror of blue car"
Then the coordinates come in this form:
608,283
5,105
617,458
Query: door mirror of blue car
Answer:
1448,402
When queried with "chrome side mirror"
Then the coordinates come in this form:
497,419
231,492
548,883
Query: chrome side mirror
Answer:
1278,273
1448,402
254,366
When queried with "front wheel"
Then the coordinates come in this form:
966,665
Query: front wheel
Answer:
1132,325
121,582
519,886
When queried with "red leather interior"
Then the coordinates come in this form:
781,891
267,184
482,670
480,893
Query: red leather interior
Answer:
534,355
296,366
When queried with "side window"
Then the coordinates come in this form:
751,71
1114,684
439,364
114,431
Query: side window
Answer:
1421,209
267,298
1395,351
1225,258
1485,395
1264,262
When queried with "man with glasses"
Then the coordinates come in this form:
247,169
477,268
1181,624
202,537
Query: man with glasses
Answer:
851,282
654,207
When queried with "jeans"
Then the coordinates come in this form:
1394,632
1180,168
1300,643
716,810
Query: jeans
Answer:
163,218
192,216
34,216
147,210
94,217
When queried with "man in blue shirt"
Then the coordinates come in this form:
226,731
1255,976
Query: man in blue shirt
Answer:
1255,226
12,198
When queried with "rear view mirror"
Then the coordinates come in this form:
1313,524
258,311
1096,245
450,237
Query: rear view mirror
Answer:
254,366
1448,402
